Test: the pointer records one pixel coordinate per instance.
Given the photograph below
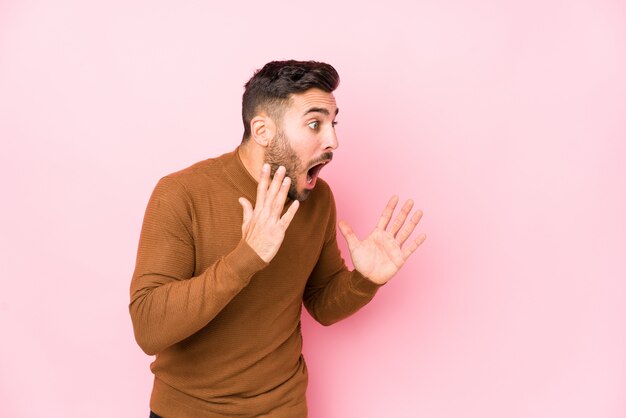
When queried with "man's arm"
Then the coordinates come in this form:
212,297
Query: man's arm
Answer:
168,304
333,292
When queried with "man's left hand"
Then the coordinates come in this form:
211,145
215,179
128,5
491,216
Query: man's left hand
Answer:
379,256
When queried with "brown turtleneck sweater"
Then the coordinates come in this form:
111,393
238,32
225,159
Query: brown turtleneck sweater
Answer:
225,325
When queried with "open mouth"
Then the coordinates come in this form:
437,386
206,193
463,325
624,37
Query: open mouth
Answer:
311,175
314,170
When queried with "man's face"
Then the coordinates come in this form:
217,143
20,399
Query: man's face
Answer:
305,139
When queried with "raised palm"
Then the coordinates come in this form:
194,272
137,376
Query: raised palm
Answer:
379,256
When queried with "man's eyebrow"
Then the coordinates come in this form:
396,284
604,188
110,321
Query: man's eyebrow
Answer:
322,110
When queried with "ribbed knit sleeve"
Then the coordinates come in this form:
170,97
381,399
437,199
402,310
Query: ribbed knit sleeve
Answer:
333,292
168,303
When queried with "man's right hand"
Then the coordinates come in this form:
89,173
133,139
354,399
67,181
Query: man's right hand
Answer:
263,228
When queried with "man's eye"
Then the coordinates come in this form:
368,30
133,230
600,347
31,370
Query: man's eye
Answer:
314,125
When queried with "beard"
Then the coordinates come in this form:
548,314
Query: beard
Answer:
280,153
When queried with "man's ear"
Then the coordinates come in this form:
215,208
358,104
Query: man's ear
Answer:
262,130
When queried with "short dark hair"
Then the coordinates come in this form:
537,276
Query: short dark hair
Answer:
271,87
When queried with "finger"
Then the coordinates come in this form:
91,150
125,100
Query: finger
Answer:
281,197
407,229
348,234
261,190
399,221
409,249
288,216
247,213
387,212
277,181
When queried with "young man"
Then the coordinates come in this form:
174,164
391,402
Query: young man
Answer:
231,248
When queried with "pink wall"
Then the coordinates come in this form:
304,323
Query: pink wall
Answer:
504,120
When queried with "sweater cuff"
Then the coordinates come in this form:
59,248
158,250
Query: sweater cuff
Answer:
244,261
363,286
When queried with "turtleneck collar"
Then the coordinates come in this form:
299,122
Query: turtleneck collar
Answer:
239,176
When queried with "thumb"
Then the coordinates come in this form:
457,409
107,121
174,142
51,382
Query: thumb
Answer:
247,213
348,234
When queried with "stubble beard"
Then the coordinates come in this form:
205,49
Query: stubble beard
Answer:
280,153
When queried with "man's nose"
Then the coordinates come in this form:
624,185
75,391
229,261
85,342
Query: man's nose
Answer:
330,140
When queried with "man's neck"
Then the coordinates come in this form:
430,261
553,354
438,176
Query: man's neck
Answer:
252,156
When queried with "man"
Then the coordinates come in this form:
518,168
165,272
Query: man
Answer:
231,248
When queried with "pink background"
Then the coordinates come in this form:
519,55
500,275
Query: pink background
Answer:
504,120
